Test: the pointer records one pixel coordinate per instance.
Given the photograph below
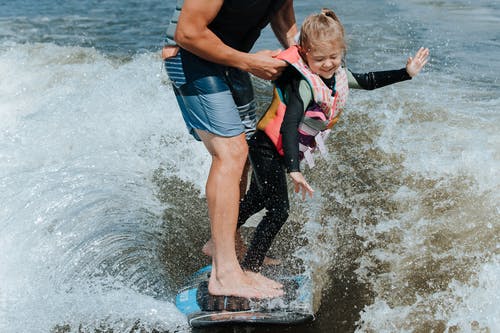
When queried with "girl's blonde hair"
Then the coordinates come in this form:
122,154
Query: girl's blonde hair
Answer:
320,28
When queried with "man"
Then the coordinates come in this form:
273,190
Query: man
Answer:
211,82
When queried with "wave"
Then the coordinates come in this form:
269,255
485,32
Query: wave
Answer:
81,137
103,196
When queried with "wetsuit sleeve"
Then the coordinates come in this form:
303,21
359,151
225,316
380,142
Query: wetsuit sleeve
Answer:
293,116
374,80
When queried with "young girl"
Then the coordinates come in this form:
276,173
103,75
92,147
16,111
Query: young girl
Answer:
308,99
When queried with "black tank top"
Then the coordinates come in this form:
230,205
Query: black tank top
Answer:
240,22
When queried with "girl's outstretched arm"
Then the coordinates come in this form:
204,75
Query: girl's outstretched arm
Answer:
415,64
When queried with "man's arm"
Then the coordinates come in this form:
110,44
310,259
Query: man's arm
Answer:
193,34
284,25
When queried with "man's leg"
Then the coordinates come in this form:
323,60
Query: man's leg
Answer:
240,244
222,190
242,92
250,207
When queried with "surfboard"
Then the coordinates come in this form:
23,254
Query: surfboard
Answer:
203,310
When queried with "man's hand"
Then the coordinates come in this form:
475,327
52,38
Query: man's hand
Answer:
169,51
263,64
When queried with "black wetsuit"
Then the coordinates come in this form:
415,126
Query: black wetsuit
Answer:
268,186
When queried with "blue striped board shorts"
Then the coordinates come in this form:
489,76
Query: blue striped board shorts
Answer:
212,97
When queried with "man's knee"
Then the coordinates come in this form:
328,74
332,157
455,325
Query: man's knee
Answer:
240,149
232,151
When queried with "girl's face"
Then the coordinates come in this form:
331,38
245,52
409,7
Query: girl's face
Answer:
324,58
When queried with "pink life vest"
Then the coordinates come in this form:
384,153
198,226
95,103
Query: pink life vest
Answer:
319,117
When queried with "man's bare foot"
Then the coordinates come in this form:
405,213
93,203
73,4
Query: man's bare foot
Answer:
239,284
264,281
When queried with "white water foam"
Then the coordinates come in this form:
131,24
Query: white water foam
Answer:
429,216
81,136
439,252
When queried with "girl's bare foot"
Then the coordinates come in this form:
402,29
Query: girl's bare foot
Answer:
207,249
268,261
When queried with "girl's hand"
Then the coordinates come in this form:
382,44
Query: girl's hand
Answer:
301,184
415,64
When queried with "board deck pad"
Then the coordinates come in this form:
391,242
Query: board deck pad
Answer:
204,310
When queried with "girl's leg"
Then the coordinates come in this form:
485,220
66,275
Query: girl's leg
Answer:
270,178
